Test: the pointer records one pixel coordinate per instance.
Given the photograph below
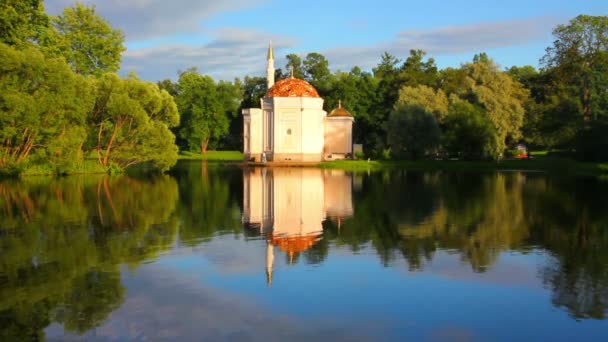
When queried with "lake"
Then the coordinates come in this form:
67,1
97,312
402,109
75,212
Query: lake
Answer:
211,252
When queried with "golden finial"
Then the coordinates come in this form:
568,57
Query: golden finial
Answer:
270,51
339,103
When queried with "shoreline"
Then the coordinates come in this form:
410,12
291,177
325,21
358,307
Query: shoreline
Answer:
547,165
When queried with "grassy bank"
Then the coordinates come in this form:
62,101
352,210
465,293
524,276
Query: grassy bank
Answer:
548,165
220,156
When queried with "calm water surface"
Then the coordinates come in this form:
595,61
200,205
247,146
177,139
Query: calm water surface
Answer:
220,253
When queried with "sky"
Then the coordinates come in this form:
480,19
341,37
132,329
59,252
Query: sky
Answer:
229,38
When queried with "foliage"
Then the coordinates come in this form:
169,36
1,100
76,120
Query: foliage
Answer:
202,110
22,21
90,45
130,123
579,56
294,66
44,108
502,98
412,132
435,102
468,132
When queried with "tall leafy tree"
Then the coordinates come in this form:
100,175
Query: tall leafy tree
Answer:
579,56
415,71
202,110
502,98
294,66
316,71
89,43
131,123
43,107
412,132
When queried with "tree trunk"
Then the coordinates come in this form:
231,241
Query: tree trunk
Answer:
204,145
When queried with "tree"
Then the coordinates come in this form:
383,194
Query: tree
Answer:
43,109
357,90
502,98
89,44
412,132
169,86
468,132
579,56
202,110
22,21
435,102
415,71
294,66
316,71
130,123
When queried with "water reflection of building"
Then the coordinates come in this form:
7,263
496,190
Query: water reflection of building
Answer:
289,205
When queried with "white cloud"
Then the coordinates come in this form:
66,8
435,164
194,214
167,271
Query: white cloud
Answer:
148,19
448,41
234,52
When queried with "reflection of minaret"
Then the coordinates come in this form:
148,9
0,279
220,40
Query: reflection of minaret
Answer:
269,262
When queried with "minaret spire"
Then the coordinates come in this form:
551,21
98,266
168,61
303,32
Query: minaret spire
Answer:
270,67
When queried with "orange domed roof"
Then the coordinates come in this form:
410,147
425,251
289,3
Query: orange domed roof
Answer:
339,111
292,87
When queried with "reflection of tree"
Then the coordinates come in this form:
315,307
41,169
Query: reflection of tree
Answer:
94,296
208,203
416,213
577,235
56,235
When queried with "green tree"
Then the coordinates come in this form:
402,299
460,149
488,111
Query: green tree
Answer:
415,71
412,132
435,102
294,66
501,97
468,133
202,110
22,21
89,44
316,71
579,56
357,91
43,107
130,123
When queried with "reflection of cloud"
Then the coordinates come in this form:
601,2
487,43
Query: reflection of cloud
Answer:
509,270
144,19
195,312
233,53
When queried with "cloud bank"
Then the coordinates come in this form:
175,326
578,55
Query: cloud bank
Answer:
152,28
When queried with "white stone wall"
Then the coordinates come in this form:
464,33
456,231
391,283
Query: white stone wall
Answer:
252,132
338,137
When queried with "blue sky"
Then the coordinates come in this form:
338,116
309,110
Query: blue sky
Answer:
228,38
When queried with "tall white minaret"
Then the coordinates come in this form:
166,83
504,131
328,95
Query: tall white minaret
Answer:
270,68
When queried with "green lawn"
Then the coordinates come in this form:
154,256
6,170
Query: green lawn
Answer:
212,156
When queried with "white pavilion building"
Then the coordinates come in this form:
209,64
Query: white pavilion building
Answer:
291,125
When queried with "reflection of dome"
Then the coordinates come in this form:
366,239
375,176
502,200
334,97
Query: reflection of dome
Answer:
339,111
292,87
295,244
